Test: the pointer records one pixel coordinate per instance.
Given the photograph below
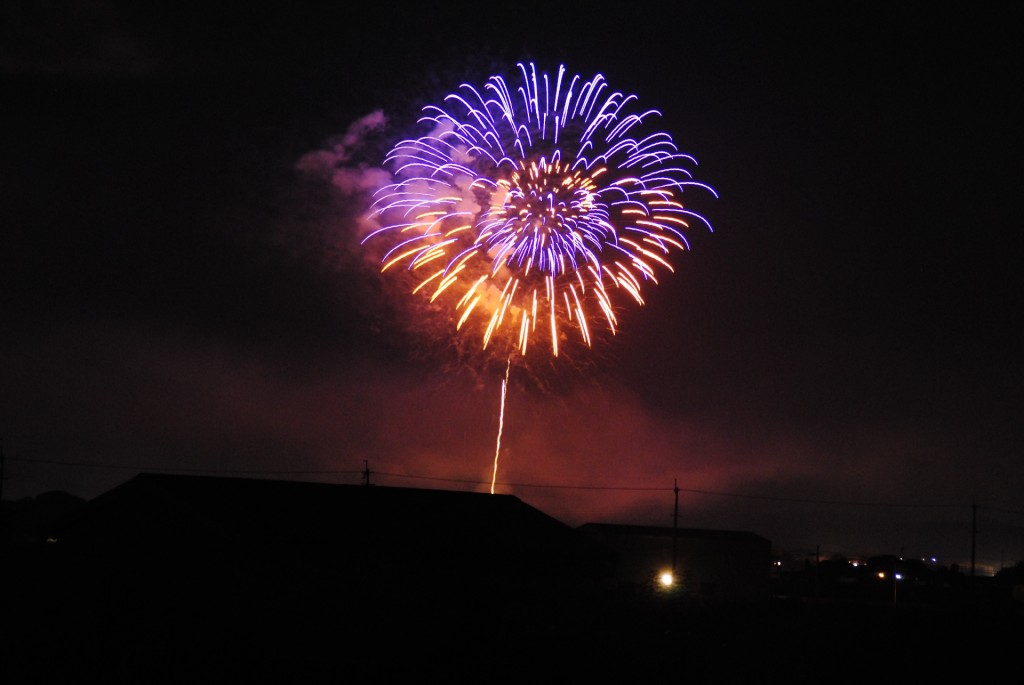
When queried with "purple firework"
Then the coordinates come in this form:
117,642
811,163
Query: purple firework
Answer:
534,207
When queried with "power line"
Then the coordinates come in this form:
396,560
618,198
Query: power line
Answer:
545,486
619,488
550,486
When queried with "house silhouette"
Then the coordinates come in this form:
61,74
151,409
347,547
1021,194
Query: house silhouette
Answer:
384,536
167,576
187,530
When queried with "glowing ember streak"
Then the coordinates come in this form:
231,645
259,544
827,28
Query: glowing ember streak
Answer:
501,424
543,197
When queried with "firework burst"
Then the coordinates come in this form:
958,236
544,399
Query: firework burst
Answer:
530,211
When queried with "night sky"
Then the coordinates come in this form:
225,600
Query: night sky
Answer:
837,366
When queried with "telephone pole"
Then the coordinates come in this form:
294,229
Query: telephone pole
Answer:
974,532
675,525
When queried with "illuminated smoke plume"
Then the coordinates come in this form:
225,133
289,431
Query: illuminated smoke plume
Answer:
338,164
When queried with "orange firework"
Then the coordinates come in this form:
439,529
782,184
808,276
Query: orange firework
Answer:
531,212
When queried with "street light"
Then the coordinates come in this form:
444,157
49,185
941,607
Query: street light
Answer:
666,579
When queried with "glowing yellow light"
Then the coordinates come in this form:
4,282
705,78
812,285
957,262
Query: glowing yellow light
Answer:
666,579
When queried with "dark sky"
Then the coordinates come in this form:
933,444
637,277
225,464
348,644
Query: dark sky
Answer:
836,365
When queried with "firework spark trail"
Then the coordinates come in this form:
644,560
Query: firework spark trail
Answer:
529,208
501,424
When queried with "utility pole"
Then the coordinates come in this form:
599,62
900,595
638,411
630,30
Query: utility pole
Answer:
817,569
366,472
675,526
974,532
